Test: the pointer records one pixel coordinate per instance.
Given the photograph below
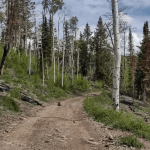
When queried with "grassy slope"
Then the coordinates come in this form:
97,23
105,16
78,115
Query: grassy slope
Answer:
100,108
16,75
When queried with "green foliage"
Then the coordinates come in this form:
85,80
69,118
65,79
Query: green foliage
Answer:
8,103
125,74
103,58
100,109
130,141
80,84
16,73
66,83
15,92
99,83
20,64
84,57
143,71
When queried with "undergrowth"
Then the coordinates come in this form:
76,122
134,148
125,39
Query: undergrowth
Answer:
16,73
100,108
130,141
7,103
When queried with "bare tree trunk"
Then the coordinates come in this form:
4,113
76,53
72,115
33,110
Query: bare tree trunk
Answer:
133,90
63,57
26,37
6,51
53,54
72,62
124,64
30,60
6,40
52,39
78,64
54,67
144,93
19,41
42,64
58,47
47,71
117,59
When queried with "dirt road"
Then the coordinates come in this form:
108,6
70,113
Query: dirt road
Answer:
55,127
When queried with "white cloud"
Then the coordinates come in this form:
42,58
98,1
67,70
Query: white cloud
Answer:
137,39
128,18
89,11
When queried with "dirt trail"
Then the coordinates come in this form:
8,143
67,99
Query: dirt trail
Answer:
55,127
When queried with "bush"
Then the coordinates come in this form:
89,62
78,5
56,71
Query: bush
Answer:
80,84
66,83
99,84
8,103
130,141
15,93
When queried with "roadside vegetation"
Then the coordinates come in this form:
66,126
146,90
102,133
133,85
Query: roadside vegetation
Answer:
100,108
130,141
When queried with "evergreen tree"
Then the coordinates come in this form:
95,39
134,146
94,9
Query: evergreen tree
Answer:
46,44
67,45
103,58
84,50
132,59
125,75
143,69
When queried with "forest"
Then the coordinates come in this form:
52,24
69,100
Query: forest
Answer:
41,62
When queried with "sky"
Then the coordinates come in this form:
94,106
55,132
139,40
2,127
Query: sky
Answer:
89,11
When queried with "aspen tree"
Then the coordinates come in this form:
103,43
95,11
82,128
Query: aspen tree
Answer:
63,56
117,54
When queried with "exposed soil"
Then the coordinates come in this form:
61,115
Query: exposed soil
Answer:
54,127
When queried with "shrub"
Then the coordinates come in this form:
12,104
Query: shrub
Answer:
130,141
99,84
80,84
15,93
8,103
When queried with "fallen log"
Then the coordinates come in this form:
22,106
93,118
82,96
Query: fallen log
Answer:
30,100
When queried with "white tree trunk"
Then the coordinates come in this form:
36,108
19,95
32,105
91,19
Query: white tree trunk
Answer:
30,60
78,64
52,39
117,55
42,64
58,47
53,53
72,61
63,56
26,37
54,67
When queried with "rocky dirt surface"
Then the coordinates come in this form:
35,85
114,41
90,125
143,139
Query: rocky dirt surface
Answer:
139,109
54,127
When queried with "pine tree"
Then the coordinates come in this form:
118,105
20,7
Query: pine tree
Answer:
132,59
103,58
143,69
67,46
46,45
84,50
